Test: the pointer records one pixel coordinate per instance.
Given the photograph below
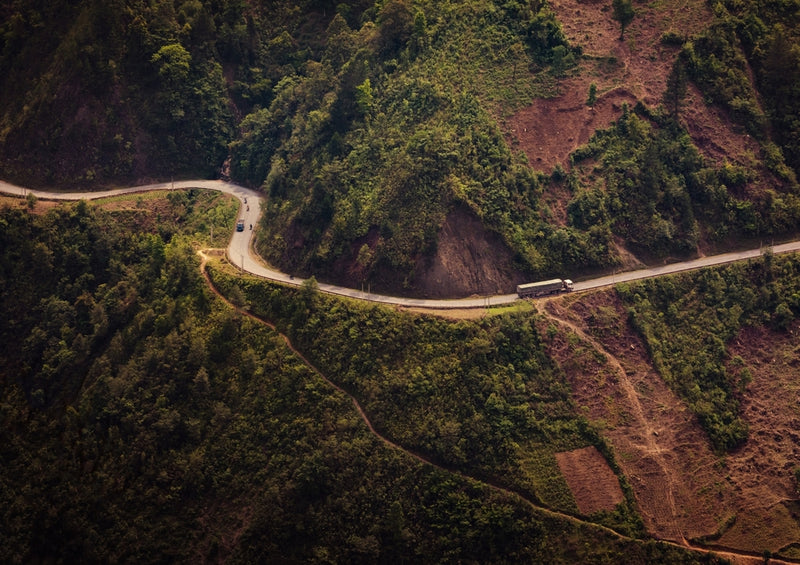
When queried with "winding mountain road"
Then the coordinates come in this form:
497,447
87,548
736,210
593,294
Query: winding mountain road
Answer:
240,253
240,249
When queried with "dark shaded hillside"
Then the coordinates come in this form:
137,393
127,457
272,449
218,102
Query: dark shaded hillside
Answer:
103,91
99,92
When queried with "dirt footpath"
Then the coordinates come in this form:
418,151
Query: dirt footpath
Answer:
744,500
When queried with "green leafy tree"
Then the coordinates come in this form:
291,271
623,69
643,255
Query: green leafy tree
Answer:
562,59
309,290
592,99
677,84
782,316
781,85
420,34
364,96
173,63
623,13
396,26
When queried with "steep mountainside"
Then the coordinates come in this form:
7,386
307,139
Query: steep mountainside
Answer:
439,148
145,418
693,380
383,133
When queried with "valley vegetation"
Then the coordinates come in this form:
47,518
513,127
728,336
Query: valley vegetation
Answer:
145,419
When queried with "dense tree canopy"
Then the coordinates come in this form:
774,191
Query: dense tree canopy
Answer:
144,419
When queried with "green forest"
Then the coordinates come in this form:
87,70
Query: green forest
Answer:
366,123
146,419
153,410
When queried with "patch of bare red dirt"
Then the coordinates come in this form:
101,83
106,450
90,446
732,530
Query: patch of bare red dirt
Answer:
761,472
743,500
594,485
658,443
628,71
41,207
714,135
468,260
552,128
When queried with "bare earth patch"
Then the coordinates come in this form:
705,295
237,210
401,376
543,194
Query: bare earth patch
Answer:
762,471
41,207
628,71
468,260
592,482
550,129
655,437
712,132
686,493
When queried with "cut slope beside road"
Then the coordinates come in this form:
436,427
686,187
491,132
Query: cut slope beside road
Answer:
241,254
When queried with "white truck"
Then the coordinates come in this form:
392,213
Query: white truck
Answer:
553,286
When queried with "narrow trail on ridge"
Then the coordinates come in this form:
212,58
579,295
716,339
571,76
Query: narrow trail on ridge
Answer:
650,446
386,441
739,558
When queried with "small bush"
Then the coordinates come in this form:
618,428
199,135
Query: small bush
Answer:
672,38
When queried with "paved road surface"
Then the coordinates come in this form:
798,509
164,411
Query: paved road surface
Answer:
240,248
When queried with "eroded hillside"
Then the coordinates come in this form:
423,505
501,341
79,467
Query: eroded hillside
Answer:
626,71
745,498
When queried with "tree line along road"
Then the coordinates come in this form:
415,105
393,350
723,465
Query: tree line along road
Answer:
240,250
